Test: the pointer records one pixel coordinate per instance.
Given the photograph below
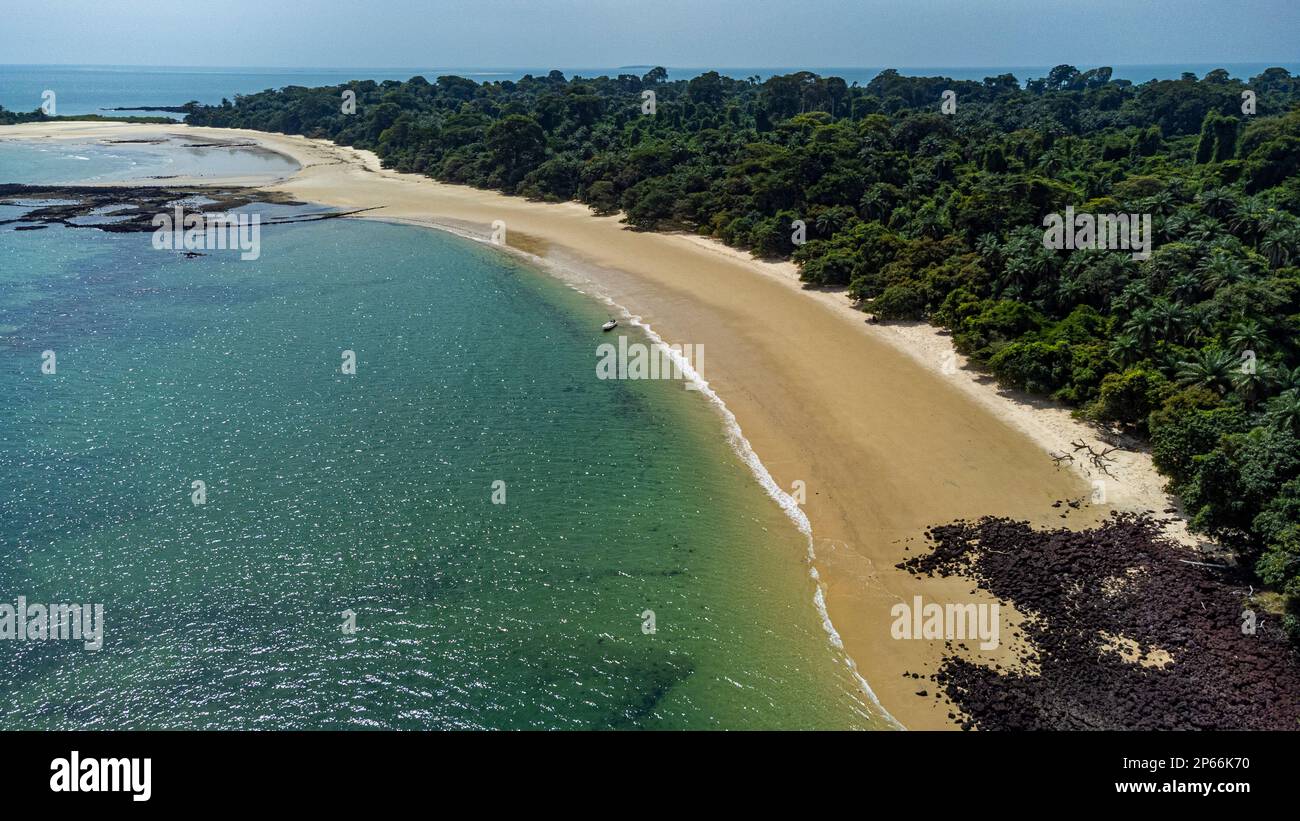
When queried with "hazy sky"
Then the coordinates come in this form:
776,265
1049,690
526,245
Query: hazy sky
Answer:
609,33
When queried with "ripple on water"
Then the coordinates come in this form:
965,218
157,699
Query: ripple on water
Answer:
372,493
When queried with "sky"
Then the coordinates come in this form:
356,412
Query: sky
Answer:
679,33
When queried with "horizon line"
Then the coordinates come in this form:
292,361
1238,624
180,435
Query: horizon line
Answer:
1277,63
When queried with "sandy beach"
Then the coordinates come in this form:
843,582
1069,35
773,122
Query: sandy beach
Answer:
885,426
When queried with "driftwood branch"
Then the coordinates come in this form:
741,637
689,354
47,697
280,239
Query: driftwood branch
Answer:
1100,459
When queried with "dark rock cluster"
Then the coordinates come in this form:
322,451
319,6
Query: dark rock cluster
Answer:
134,207
1122,579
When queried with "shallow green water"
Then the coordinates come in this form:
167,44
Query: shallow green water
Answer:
65,161
373,493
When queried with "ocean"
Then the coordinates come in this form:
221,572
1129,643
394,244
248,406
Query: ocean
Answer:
470,531
93,89
635,574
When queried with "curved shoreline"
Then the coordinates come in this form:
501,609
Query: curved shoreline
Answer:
886,443
735,438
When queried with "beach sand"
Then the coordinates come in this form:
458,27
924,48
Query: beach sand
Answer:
886,438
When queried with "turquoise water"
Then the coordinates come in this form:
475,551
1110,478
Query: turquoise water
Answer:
90,89
372,493
68,161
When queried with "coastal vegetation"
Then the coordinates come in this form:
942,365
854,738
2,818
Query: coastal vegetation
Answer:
38,116
926,215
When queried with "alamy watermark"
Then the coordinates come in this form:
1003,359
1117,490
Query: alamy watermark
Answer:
638,360
77,774
947,622
53,622
199,231
1128,232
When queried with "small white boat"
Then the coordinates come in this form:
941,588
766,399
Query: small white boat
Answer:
610,325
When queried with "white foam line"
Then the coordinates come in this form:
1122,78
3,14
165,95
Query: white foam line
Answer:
736,438
787,503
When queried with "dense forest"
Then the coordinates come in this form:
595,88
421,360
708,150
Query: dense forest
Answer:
924,212
37,116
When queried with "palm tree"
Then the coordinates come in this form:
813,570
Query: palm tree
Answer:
1221,269
1042,263
830,221
1291,237
1284,410
1161,204
1126,349
1199,324
930,221
1177,223
1142,327
1279,245
1070,290
1170,318
1248,215
1206,229
989,247
875,203
1016,276
1274,220
1217,202
1051,163
1185,287
1286,378
1136,295
1252,384
1225,243
1248,335
1210,368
